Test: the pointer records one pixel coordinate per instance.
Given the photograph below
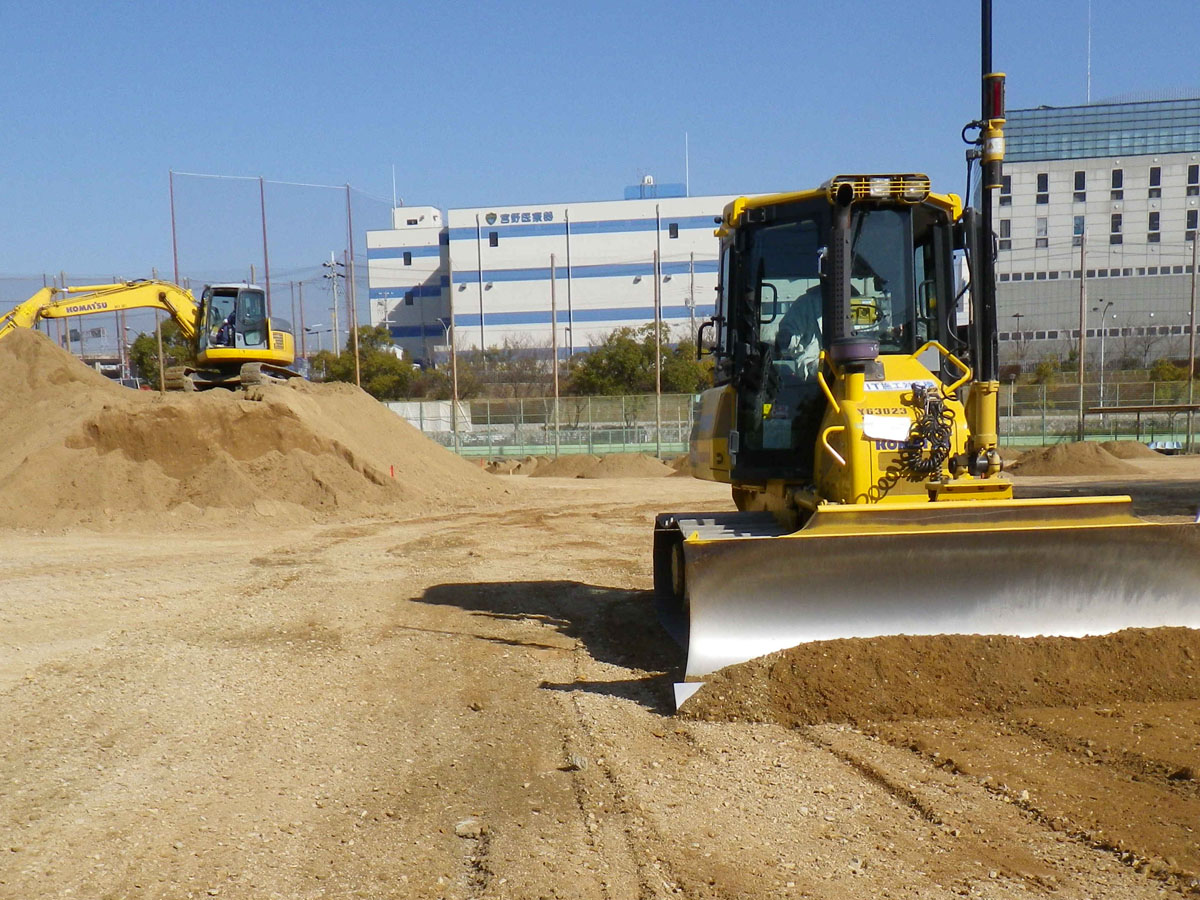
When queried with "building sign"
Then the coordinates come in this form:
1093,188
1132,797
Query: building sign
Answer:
519,218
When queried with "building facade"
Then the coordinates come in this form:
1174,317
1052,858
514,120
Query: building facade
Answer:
1107,194
500,270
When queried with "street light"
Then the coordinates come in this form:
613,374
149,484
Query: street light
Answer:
1020,341
1103,328
318,329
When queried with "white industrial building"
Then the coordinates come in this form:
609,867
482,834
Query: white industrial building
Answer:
493,268
1108,193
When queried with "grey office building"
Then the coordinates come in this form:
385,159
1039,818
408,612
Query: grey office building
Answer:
1108,192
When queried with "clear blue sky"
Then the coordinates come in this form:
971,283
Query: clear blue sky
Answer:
495,103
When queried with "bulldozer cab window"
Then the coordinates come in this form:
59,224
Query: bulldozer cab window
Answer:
778,336
880,278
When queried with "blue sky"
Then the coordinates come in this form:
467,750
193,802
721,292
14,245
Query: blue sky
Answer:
494,103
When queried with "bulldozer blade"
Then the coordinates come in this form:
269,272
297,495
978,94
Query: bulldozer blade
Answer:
1022,568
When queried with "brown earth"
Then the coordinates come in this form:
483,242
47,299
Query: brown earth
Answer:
864,681
615,465
474,702
1075,459
77,449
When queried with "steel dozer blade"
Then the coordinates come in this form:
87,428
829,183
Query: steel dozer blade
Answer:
1072,567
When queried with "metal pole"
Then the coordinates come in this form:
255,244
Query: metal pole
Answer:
262,202
1192,343
337,340
353,292
162,363
452,337
554,348
303,331
479,260
1082,319
657,358
692,294
570,309
174,245
352,313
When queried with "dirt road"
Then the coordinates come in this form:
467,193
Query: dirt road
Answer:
478,706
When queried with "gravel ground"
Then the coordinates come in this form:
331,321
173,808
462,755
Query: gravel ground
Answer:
478,705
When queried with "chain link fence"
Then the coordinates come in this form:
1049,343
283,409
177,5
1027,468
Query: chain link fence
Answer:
1031,415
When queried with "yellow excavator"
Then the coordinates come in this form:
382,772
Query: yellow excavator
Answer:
856,420
235,341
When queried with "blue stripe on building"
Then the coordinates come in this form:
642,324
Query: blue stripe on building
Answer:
609,314
606,226
398,293
417,331
398,252
608,270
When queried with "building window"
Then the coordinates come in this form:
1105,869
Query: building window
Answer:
1077,231
1193,183
493,239
1152,227
408,298
412,221
1043,187
1114,233
1118,182
407,258
1042,239
1004,276
1080,186
1005,234
1191,224
673,230
1155,182
1006,190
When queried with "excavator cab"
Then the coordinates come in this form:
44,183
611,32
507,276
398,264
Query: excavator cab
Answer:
233,316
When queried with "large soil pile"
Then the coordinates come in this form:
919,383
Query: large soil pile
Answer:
1074,459
614,465
1130,450
76,448
905,677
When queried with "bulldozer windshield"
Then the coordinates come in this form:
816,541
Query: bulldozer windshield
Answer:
778,311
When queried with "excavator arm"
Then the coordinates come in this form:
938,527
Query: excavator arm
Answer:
26,314
103,298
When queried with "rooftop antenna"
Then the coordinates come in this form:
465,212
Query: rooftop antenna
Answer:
1089,53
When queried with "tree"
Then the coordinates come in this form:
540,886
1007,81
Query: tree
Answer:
384,375
623,363
143,352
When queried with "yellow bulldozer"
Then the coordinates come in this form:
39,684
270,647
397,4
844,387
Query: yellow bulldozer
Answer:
856,420
234,340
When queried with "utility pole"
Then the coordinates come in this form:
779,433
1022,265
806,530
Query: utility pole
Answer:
657,359
333,276
554,348
692,293
352,316
1082,318
1192,342
303,333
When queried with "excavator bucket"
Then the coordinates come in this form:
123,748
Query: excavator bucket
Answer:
741,586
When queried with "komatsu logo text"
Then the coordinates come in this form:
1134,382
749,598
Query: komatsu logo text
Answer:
87,307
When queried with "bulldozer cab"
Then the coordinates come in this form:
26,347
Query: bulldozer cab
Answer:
233,316
776,305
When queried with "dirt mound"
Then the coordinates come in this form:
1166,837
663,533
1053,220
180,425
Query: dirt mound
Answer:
682,466
863,680
570,466
523,466
1072,459
614,465
77,449
1130,450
